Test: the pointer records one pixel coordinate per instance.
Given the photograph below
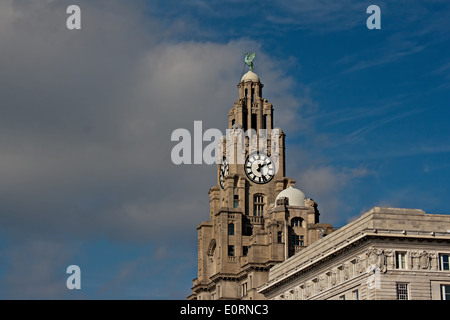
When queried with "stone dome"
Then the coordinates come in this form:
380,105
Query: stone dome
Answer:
295,196
250,76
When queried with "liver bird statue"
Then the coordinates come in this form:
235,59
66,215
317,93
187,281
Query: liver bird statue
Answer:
249,60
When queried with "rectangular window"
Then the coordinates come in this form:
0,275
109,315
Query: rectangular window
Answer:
443,262
445,292
402,291
236,201
253,121
400,260
231,251
244,289
295,240
355,294
279,236
258,205
342,297
244,250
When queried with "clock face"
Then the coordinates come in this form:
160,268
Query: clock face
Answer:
259,168
224,169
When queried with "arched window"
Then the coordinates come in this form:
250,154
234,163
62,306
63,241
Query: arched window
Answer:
296,222
258,205
231,229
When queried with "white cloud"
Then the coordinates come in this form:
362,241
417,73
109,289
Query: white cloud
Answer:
87,117
85,124
326,185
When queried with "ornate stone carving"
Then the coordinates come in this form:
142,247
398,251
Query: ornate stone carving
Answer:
389,256
414,259
309,202
211,247
308,289
434,260
346,270
424,260
322,283
333,277
376,260
362,263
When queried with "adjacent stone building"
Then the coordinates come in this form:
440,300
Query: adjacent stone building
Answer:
387,253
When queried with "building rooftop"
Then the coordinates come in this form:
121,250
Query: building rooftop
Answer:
379,222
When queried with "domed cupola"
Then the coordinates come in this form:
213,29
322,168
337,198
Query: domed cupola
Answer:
295,196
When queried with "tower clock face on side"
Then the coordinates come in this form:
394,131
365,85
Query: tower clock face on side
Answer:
224,170
259,168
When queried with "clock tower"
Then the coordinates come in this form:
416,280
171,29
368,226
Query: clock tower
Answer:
257,218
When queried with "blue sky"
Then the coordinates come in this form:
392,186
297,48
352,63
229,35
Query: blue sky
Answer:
86,118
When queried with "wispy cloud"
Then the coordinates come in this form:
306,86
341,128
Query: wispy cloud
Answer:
361,132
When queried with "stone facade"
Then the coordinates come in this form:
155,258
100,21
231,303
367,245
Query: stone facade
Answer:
386,254
249,230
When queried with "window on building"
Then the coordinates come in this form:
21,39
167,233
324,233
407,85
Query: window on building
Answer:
400,260
244,250
231,251
301,241
236,201
244,289
295,240
402,291
231,229
355,294
265,121
445,292
258,205
279,236
296,222
253,121
342,297
444,262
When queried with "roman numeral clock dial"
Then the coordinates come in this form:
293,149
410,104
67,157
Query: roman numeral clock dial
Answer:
259,168
224,170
